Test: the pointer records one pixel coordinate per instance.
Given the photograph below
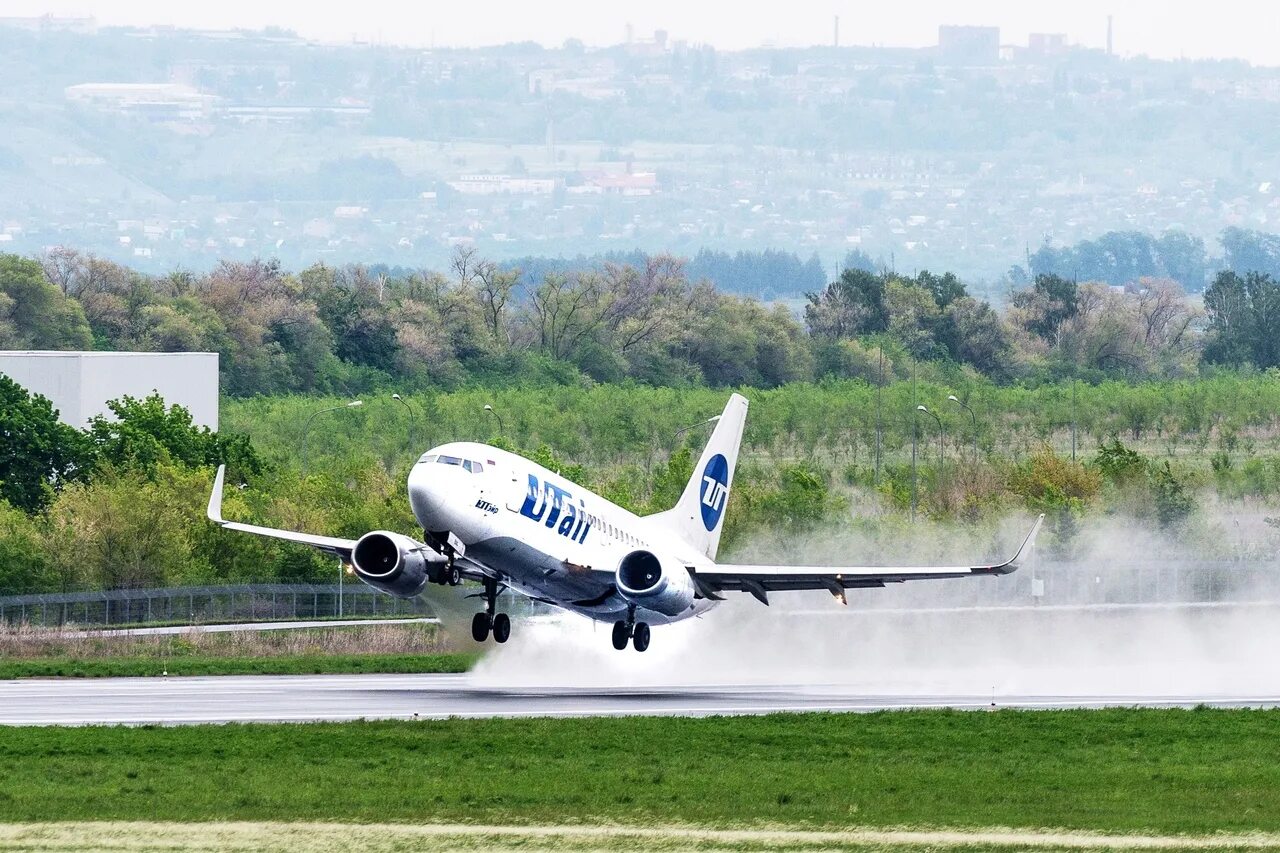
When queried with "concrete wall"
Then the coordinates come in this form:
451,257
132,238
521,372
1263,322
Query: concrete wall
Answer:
79,384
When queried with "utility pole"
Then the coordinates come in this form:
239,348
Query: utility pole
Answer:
915,427
1073,419
879,410
915,434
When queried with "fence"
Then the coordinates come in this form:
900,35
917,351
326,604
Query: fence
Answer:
195,605
1040,581
1047,582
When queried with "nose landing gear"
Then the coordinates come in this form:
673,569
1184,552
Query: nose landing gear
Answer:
630,629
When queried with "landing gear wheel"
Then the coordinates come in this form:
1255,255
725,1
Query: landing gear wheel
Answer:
641,636
480,627
620,635
502,627
453,576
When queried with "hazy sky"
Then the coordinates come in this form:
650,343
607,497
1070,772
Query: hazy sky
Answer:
1169,29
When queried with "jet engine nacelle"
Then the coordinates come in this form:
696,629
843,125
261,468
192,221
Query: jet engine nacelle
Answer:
645,581
395,564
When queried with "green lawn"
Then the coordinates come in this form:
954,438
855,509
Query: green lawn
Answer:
318,664
1120,770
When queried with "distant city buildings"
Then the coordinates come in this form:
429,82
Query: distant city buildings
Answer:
155,101
969,45
967,155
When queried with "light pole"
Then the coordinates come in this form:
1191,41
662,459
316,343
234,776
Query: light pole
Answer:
962,404
343,568
941,451
1074,411
879,425
413,417
491,410
683,430
307,426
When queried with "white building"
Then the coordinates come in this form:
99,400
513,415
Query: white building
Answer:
155,100
79,384
503,184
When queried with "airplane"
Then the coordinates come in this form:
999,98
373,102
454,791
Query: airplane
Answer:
494,517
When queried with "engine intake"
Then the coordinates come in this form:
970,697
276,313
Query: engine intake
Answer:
645,581
395,564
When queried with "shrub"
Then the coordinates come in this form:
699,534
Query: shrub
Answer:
1174,504
1118,464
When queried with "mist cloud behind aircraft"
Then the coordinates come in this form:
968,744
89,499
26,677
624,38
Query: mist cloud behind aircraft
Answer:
1228,29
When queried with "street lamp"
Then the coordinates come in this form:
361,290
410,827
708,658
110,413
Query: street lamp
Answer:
709,420
413,417
491,410
305,429
307,426
343,568
962,404
934,415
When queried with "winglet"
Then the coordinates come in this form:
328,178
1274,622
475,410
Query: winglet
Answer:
215,497
1027,544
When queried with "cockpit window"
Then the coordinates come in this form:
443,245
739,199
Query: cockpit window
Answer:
466,464
427,459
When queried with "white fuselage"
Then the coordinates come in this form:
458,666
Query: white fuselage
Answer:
544,536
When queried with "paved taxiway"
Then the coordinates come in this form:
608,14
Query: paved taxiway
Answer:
345,697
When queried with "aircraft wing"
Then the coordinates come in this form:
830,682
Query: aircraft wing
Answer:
760,580
340,548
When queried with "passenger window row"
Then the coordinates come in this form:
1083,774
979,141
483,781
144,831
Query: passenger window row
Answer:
614,532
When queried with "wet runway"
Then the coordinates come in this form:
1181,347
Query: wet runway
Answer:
221,699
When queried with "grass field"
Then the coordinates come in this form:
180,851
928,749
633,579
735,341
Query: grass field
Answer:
1122,771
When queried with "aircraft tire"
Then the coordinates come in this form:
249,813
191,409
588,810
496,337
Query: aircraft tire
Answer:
502,627
620,635
454,576
641,637
480,627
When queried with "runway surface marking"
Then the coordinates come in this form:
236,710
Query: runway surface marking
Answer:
218,699
328,836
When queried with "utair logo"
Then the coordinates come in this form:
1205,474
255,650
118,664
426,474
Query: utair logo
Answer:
554,507
715,490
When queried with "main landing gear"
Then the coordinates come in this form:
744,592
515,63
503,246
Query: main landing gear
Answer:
630,629
498,623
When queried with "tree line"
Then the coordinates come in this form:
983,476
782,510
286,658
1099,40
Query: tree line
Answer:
121,504
1126,257
767,274
341,330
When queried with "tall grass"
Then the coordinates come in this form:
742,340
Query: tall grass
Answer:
27,642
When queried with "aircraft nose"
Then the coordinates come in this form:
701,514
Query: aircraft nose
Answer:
424,491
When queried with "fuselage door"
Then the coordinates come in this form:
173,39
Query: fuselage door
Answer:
518,490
